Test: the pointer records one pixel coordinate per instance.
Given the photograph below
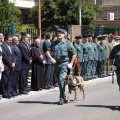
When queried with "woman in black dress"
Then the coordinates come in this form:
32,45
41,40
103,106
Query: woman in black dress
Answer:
38,63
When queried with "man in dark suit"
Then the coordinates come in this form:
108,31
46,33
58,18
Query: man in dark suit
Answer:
18,66
25,51
48,66
9,62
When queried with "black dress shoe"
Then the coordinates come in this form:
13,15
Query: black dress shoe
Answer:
66,101
47,87
51,86
6,96
24,92
56,85
13,94
61,102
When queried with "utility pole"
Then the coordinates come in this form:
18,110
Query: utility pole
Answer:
39,18
80,8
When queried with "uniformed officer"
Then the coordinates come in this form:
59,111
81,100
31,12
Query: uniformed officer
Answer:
102,57
85,57
115,62
91,57
96,54
79,49
60,51
107,51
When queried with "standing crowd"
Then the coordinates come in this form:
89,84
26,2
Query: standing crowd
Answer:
48,58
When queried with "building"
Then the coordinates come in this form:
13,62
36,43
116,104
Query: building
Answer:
24,6
109,7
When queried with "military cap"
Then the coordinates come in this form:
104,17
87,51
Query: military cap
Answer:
78,37
117,37
95,36
101,38
89,35
1,35
85,36
60,30
105,35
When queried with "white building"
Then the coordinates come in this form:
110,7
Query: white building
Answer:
24,6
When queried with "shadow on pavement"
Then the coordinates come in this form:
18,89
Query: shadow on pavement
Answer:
37,102
101,106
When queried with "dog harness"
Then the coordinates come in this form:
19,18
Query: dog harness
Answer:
72,85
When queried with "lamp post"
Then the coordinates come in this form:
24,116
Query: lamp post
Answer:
39,18
80,8
95,1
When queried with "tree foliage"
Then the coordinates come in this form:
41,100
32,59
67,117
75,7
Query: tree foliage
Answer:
64,12
89,12
9,13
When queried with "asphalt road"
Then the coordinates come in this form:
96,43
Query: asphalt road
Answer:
102,103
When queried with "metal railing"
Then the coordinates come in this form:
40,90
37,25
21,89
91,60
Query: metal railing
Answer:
5,29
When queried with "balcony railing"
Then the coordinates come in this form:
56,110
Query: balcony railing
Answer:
111,2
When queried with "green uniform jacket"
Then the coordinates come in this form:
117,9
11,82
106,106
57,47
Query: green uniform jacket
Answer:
96,52
101,49
61,50
85,51
91,51
79,50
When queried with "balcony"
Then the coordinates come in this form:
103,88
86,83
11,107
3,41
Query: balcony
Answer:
110,2
24,3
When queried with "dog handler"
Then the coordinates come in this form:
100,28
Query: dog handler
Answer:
62,50
115,62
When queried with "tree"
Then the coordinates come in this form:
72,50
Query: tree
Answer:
9,13
89,12
64,12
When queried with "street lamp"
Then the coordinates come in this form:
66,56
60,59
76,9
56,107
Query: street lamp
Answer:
80,8
95,1
39,17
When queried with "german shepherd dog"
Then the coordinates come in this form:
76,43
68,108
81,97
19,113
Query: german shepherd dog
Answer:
74,83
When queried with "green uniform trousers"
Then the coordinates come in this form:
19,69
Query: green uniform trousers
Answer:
61,72
101,65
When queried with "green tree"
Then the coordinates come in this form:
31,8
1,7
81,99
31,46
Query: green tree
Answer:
89,12
64,12
9,13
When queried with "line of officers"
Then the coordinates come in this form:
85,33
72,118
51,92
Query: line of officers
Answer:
93,54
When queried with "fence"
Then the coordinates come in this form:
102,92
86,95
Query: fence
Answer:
10,29
5,29
100,29
34,31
